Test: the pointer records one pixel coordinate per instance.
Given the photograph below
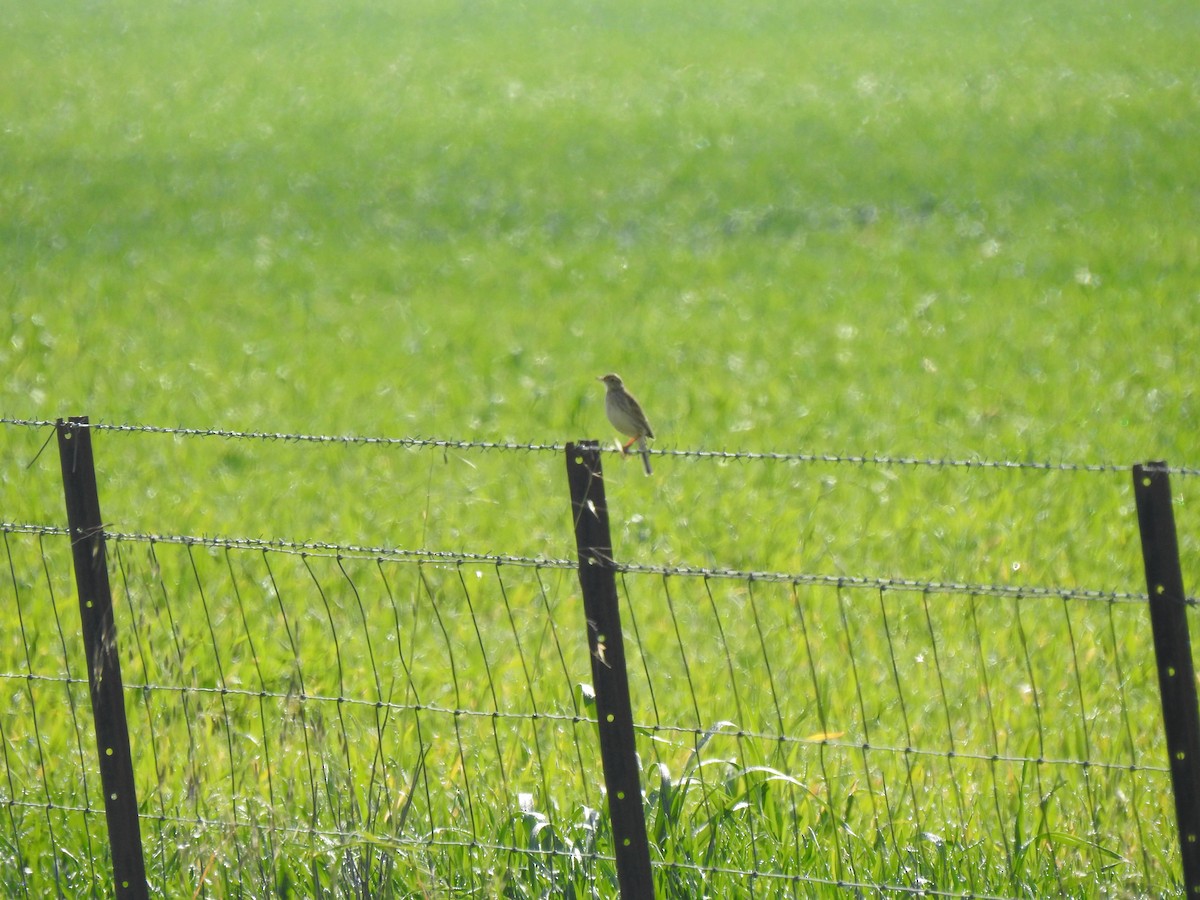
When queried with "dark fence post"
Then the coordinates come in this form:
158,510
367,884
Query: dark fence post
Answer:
104,667
618,752
1173,651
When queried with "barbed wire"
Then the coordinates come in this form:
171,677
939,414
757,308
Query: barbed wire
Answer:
876,459
28,528
458,557
884,583
345,551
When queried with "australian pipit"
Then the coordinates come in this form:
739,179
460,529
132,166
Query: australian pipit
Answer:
626,415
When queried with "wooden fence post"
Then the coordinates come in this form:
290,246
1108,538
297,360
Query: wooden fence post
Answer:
103,664
618,752
1173,652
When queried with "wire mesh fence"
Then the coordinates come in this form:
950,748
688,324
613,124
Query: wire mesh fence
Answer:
314,718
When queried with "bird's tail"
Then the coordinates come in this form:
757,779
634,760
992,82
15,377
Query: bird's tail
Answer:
645,455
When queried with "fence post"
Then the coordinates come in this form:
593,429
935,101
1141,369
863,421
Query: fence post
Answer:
1173,652
104,668
618,752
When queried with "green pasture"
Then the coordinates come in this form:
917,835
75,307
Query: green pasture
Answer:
910,230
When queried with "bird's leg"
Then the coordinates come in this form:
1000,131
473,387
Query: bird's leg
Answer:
625,447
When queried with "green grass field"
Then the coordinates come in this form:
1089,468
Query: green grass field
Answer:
927,230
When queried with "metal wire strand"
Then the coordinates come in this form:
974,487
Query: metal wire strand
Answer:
415,442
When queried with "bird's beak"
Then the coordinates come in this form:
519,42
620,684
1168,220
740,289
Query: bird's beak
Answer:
599,377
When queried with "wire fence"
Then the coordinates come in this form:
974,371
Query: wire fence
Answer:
324,719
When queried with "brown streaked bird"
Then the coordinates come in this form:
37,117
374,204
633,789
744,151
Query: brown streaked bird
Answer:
626,416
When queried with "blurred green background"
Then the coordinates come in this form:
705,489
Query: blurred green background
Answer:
902,229
898,228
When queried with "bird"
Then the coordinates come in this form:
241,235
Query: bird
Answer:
626,416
